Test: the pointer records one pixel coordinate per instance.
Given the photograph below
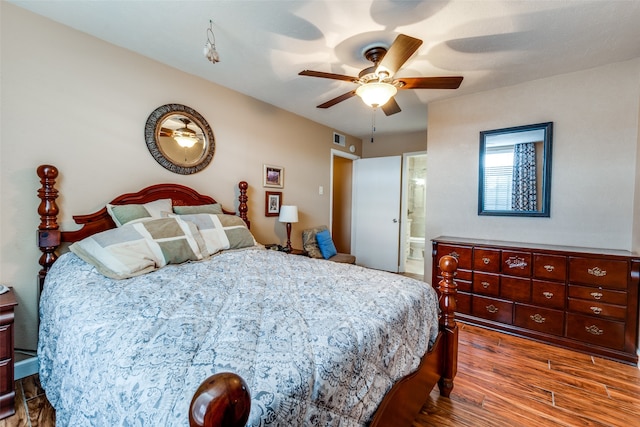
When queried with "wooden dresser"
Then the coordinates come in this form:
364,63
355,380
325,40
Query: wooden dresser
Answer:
7,392
579,298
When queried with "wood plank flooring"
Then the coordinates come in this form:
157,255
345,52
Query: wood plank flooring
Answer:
502,381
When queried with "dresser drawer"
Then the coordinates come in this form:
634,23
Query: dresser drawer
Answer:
486,260
598,294
516,263
6,342
463,303
602,272
515,288
602,332
492,309
486,284
6,376
552,267
461,253
539,319
464,275
598,309
463,285
548,294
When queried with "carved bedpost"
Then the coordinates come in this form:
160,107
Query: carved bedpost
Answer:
243,198
222,400
48,230
448,290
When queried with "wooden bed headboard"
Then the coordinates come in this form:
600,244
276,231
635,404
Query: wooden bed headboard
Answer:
50,237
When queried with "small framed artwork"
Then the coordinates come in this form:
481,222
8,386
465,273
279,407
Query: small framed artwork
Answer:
273,176
272,203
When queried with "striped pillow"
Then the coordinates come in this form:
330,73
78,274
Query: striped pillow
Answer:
221,232
142,247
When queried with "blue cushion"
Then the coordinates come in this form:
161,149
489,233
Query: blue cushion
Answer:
327,248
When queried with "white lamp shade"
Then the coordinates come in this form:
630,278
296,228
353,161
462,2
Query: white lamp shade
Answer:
376,94
288,213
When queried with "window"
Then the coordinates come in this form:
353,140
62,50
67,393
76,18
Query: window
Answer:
498,181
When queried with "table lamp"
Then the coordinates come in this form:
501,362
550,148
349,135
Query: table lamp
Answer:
288,214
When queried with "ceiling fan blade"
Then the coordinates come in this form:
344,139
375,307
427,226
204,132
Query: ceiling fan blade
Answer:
401,50
452,82
391,107
328,75
340,98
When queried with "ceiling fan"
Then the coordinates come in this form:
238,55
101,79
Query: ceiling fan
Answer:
377,85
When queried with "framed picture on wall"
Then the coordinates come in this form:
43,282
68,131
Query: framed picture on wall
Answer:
272,203
273,176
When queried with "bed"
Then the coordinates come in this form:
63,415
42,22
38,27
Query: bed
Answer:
243,336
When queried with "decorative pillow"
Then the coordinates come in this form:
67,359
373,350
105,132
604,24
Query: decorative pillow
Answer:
325,242
141,247
237,232
222,231
215,208
123,214
210,228
309,242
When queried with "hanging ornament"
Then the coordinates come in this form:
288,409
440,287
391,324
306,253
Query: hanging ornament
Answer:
210,51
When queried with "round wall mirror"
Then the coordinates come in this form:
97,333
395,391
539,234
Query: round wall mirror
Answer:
179,138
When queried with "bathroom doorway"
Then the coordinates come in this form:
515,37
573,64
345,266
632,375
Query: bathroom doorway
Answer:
414,213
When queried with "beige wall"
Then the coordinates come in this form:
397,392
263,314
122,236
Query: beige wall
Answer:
80,104
595,167
395,145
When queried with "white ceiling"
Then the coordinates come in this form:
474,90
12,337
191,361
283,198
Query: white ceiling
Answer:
264,44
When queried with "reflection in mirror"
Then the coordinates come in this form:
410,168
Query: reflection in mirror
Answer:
515,171
179,138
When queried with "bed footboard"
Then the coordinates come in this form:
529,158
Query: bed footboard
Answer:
404,401
222,400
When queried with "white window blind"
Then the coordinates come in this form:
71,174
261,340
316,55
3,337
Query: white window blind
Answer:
498,173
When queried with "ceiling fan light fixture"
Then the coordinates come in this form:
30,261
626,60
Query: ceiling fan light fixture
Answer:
376,94
185,137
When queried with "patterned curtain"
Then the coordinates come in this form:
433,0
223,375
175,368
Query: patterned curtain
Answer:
524,196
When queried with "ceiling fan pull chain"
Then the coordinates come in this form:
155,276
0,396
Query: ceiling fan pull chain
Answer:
373,123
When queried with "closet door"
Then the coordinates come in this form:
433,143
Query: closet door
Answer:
376,212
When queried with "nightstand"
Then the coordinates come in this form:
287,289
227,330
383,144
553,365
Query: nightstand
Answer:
7,392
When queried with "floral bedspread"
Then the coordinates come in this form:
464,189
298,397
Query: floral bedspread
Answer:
319,343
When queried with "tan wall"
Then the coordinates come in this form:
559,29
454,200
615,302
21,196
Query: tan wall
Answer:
595,165
78,103
395,145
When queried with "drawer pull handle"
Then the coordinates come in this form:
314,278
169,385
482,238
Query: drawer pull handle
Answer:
492,308
548,295
596,295
549,268
486,260
594,330
596,310
455,254
537,318
485,284
597,271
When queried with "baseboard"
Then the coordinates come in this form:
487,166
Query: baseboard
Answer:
26,367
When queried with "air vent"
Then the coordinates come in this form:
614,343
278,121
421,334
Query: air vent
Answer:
339,139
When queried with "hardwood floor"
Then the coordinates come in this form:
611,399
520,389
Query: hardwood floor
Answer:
502,381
